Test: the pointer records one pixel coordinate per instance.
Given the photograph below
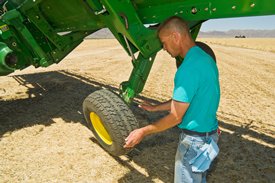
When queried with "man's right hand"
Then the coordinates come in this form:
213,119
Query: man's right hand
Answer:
165,106
148,107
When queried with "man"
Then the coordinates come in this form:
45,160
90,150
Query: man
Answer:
193,105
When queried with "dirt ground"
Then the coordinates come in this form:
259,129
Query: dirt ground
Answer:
43,137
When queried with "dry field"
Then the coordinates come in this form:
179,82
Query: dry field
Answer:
43,137
264,44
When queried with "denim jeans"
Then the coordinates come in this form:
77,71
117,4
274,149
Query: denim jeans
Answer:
187,149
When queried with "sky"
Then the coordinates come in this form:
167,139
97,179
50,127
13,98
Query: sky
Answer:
259,22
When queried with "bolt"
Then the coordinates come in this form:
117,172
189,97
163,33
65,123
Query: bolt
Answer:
252,5
214,9
205,9
233,7
194,10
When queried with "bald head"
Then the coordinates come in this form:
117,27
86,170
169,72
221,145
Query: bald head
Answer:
175,37
172,24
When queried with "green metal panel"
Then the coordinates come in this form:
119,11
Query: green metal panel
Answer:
122,20
155,11
61,15
43,32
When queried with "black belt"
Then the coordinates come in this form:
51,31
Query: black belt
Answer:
201,134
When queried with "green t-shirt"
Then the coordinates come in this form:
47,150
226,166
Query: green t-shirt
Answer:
197,83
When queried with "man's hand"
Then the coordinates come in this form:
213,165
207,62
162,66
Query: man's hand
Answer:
146,106
165,106
134,138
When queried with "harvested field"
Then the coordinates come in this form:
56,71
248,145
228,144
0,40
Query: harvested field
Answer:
264,44
43,137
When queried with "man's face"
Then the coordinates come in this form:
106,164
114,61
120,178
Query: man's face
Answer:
169,42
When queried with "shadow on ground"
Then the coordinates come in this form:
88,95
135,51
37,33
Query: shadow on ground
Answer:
240,160
60,95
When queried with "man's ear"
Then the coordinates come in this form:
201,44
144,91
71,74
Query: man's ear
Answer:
176,36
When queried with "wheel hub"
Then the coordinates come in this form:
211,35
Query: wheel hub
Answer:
100,129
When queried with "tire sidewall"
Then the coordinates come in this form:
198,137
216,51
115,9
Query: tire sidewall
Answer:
89,107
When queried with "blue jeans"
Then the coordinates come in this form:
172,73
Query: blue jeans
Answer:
187,150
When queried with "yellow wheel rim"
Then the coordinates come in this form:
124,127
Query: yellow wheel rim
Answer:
100,129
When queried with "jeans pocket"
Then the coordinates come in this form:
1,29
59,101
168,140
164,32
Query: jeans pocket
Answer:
204,156
192,146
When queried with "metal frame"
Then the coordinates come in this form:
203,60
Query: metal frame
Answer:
43,32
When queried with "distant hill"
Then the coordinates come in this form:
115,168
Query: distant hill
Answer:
232,33
106,34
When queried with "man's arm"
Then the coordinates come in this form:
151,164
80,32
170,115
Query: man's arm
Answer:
175,116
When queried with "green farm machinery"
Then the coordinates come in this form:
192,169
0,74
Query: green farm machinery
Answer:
43,32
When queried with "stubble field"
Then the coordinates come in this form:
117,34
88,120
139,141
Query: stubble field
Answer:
43,137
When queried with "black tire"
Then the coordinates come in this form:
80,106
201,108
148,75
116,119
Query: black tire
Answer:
204,47
207,49
116,117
